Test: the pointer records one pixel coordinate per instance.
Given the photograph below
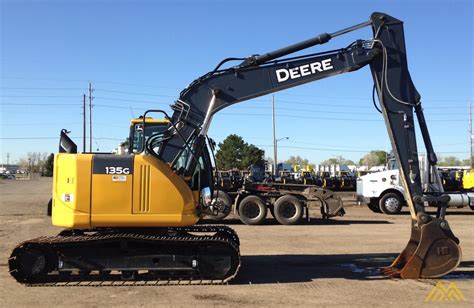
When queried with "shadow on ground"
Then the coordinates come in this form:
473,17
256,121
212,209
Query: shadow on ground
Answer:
313,221
264,269
448,213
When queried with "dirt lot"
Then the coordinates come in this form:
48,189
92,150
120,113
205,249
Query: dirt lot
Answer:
318,263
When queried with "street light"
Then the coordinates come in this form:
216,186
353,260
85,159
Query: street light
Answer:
275,163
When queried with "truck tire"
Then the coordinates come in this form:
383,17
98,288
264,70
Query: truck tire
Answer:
288,210
225,203
252,210
391,203
374,207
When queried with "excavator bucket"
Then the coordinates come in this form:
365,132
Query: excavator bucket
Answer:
431,252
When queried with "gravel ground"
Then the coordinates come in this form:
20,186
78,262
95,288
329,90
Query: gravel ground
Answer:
324,263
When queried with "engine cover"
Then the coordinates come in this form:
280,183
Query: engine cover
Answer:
106,190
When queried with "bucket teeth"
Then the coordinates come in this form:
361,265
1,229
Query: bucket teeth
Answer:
432,251
397,265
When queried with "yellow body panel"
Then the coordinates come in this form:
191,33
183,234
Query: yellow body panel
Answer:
150,196
71,190
148,121
468,180
111,194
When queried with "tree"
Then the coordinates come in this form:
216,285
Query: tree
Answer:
234,152
269,159
466,162
126,143
330,161
335,161
450,161
48,165
374,158
33,162
252,156
297,160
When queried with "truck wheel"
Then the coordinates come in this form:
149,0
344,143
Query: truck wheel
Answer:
391,203
374,207
252,210
288,210
224,203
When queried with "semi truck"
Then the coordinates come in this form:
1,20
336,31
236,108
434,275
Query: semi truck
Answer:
383,192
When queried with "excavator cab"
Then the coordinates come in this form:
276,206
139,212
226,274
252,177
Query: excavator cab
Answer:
143,128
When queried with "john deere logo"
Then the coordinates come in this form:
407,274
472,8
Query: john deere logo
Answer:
442,294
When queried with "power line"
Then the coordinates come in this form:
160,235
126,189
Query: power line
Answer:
365,98
95,81
27,138
324,111
41,89
334,147
261,100
129,100
52,138
321,118
237,107
135,93
40,104
60,123
328,145
166,87
339,150
176,88
358,106
241,114
39,96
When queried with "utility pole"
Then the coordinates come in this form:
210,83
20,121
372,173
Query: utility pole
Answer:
470,134
131,110
83,123
90,117
8,159
275,163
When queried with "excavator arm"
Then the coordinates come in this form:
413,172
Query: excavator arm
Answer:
433,249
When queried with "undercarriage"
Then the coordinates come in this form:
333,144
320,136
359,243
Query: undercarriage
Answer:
193,255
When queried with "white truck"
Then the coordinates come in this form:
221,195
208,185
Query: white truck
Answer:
383,193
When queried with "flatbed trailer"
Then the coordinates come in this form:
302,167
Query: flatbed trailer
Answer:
288,203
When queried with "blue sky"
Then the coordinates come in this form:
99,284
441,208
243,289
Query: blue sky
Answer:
140,54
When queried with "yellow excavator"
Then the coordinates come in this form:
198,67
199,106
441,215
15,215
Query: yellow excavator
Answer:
132,218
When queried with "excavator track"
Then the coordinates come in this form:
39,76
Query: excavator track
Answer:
166,256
